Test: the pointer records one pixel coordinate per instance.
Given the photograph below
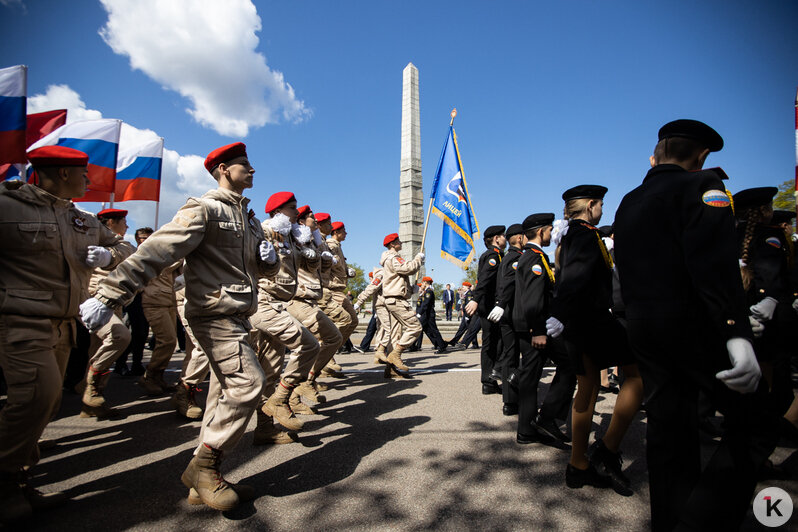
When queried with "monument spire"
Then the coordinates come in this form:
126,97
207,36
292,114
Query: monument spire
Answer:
411,195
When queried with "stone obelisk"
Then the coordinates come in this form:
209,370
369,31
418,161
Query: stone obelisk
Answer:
411,195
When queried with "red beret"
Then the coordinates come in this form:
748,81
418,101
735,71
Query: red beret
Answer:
112,213
321,216
304,210
57,156
277,200
337,225
466,283
224,154
390,238
427,279
371,274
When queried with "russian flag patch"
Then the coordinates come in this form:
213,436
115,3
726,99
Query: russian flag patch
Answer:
716,198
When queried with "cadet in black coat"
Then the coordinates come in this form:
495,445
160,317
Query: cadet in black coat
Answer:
483,303
581,306
468,326
502,313
687,317
534,287
426,314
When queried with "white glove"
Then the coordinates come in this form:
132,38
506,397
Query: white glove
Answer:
756,327
350,272
317,237
795,305
496,314
335,259
179,283
357,307
763,311
95,314
267,252
418,316
744,375
308,253
420,257
301,233
98,257
326,255
554,327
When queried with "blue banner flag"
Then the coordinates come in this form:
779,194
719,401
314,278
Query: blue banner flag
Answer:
451,203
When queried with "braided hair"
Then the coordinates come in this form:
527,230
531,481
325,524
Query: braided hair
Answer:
751,217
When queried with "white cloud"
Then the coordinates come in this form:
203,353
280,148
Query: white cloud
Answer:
206,51
181,175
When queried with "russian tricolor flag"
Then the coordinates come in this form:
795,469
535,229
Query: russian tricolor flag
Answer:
138,171
99,139
13,107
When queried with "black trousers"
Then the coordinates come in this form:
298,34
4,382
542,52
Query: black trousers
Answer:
558,399
675,365
430,327
139,330
489,357
471,332
365,343
78,357
508,358
449,306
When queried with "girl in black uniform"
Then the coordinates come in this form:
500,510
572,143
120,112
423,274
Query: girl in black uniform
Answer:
581,307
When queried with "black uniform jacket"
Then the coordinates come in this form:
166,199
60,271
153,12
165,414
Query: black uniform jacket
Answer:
584,283
770,258
534,287
426,304
487,274
505,286
676,249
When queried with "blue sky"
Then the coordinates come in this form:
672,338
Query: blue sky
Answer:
549,94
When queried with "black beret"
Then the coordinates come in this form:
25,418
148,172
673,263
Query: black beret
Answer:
606,230
585,191
493,230
538,219
692,129
782,217
514,229
754,197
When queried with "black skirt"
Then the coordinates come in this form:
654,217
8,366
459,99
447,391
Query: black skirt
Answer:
601,338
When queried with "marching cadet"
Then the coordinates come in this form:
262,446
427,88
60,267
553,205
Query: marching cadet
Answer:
196,365
483,303
109,342
426,315
371,329
466,322
534,290
581,306
689,328
50,248
502,314
396,289
139,328
225,252
335,302
280,330
160,309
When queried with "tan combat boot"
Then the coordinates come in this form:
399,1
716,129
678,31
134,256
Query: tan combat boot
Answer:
150,383
93,401
277,407
266,433
395,358
298,407
379,355
391,373
202,474
309,390
165,386
333,365
184,401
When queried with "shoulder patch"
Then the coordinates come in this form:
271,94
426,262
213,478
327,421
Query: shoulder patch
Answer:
492,262
773,241
716,198
376,281
537,270
401,260
515,265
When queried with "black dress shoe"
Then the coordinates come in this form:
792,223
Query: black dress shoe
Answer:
137,370
122,371
442,351
525,439
549,427
491,387
576,478
512,379
510,409
608,464
609,389
495,375
458,347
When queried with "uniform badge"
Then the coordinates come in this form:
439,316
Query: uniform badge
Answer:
492,262
79,223
773,241
376,282
537,270
716,198
401,260
515,265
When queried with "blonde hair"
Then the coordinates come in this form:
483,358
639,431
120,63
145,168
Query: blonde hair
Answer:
575,206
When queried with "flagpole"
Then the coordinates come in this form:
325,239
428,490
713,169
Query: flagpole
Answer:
795,184
432,199
157,204
112,200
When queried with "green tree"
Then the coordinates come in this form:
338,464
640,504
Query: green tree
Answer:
437,288
785,198
471,273
357,283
